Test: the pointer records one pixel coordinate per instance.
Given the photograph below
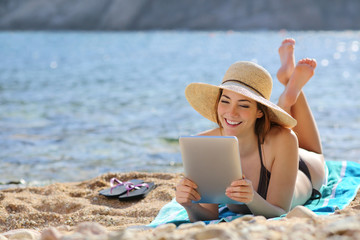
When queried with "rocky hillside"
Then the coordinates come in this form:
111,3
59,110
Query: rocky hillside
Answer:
179,14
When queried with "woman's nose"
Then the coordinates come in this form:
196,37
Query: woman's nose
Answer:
233,111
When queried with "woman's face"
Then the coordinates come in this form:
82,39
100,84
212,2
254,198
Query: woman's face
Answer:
237,113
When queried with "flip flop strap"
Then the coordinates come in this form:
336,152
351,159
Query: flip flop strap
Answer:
119,183
115,180
130,186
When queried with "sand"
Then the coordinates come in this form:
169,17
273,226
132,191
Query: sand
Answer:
61,209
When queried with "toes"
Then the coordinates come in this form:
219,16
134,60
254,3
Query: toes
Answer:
308,61
289,40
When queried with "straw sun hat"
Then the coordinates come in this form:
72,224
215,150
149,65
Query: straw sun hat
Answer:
246,78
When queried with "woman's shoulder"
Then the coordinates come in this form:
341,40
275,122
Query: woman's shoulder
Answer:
211,132
280,135
280,143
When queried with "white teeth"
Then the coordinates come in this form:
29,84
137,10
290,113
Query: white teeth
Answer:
232,122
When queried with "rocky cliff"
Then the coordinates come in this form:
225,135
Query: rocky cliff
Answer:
179,14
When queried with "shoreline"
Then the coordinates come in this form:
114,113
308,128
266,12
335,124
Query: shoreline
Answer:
65,209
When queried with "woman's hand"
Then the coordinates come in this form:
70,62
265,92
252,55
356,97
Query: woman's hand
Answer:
241,190
186,192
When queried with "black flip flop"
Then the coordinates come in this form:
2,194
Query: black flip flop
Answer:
137,191
118,189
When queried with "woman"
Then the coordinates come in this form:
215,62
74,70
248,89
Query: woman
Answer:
280,148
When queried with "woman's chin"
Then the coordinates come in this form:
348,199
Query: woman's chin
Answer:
230,132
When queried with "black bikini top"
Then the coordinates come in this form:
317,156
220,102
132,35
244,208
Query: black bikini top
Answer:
264,176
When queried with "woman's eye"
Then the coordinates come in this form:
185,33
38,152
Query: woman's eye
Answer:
224,101
244,106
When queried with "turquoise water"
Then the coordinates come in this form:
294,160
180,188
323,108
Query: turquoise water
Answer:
74,105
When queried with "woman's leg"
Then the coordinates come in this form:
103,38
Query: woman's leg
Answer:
287,59
293,101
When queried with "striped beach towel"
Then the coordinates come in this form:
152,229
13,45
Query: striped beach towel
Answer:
342,185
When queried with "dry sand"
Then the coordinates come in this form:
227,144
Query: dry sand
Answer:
59,209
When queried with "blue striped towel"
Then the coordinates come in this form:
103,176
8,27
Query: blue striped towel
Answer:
342,186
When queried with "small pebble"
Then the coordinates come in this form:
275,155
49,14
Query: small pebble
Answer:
195,225
2,237
166,227
50,234
22,234
215,233
91,228
301,212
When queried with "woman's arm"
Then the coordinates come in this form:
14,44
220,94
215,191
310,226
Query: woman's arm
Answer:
186,193
259,206
283,176
202,212
242,190
284,150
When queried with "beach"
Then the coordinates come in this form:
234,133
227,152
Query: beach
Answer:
81,107
75,210
76,111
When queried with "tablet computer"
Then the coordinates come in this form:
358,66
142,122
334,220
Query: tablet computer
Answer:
212,162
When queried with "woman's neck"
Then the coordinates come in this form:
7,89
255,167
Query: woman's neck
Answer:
248,144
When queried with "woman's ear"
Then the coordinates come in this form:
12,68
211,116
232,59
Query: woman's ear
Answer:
259,114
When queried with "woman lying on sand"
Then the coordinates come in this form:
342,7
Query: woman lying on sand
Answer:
280,147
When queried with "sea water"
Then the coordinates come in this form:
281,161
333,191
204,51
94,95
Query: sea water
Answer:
75,105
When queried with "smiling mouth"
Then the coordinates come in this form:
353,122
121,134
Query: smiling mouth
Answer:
232,123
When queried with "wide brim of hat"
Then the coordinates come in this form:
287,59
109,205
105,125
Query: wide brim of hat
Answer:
203,98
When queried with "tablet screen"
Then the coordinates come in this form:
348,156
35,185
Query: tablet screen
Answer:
212,162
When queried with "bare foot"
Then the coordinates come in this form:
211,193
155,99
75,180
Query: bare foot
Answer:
287,59
303,71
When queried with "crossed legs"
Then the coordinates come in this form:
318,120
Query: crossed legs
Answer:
293,100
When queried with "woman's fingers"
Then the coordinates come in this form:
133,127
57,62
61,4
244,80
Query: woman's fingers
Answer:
242,185
187,195
241,190
240,196
186,192
187,182
241,182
